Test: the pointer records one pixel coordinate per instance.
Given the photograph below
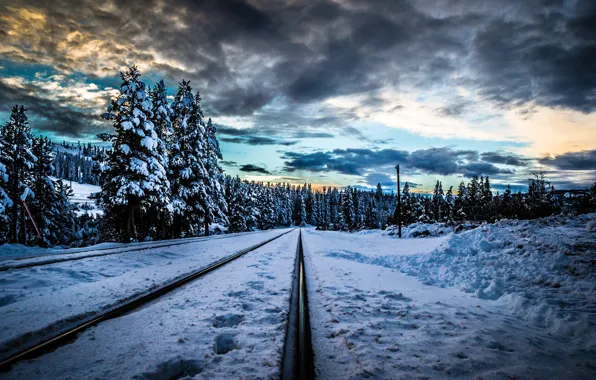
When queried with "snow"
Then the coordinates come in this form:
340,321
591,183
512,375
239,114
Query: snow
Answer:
228,324
515,299
82,193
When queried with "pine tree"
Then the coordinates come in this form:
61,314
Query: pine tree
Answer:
448,206
5,201
18,160
135,174
42,206
215,203
303,218
348,213
187,171
237,205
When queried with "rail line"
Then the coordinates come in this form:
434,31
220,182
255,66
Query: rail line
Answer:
298,358
117,250
67,336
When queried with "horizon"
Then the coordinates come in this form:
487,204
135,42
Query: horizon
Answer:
330,93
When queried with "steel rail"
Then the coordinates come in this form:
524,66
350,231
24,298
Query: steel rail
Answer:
118,250
298,357
69,335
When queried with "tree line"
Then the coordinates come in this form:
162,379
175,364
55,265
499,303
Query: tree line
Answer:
75,162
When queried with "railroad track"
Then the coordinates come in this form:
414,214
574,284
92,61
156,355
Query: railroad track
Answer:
298,359
64,337
59,258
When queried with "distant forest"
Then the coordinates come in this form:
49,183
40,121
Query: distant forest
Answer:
160,178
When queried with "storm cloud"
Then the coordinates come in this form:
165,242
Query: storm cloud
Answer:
584,160
253,169
243,56
441,161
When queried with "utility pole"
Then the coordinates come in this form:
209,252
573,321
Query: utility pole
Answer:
398,203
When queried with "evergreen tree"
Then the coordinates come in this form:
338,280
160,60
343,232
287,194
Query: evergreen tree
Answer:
135,174
237,205
214,201
18,160
348,213
188,174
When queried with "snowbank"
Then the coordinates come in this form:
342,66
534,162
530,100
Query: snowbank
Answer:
422,230
543,269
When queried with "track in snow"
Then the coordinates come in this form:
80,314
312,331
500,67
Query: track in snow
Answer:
297,363
67,336
59,258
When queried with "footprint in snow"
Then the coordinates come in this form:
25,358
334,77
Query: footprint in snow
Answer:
228,320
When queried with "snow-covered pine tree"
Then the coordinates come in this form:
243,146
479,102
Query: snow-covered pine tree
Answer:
237,207
379,206
135,177
162,121
5,201
215,203
447,210
303,218
187,172
63,217
349,215
18,160
267,206
45,197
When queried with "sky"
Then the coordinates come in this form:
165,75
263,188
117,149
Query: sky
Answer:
330,92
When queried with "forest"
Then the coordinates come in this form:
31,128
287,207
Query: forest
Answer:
160,178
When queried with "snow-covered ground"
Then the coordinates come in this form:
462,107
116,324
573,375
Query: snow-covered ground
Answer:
40,301
512,300
229,324
82,192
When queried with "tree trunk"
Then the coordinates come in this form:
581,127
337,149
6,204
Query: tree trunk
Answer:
14,237
23,229
131,228
162,225
207,223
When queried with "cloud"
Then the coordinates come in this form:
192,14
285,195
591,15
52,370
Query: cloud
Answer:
482,168
345,161
47,114
504,158
583,160
442,161
253,169
282,67
257,140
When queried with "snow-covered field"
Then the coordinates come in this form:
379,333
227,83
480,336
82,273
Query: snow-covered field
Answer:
40,301
82,192
229,324
513,300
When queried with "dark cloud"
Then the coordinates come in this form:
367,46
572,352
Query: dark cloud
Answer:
271,60
345,161
442,161
257,140
228,163
253,169
46,115
504,158
482,168
584,160
546,59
